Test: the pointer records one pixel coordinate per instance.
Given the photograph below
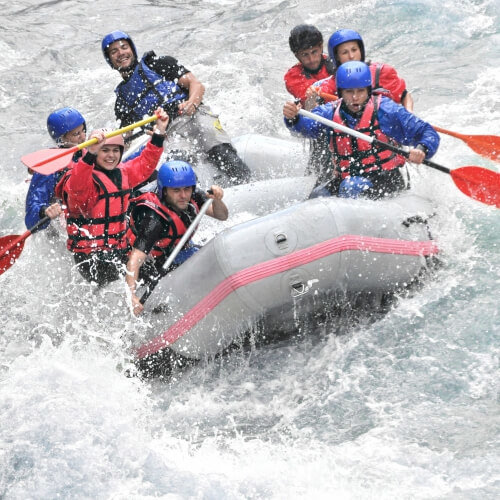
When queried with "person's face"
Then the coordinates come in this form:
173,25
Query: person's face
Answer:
74,137
310,58
355,98
109,156
348,51
178,197
120,54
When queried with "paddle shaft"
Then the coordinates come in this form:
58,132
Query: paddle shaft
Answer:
41,222
485,145
11,246
368,138
68,151
179,246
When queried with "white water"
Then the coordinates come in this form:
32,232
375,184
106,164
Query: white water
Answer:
404,408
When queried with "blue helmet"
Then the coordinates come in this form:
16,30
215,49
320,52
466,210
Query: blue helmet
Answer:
342,36
63,121
353,75
114,36
175,174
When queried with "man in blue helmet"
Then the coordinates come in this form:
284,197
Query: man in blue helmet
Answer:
67,128
358,166
162,81
159,220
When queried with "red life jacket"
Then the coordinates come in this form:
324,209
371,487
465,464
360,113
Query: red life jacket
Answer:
176,226
352,156
105,228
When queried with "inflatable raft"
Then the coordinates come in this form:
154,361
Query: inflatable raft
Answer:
302,262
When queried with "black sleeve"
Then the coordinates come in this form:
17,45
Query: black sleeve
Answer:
200,197
150,227
166,66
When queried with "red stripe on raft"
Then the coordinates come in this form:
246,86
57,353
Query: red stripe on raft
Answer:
279,265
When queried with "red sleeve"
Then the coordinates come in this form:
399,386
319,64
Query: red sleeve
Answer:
296,82
328,85
140,168
390,80
79,190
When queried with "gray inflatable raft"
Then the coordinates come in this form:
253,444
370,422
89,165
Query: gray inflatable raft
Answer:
278,268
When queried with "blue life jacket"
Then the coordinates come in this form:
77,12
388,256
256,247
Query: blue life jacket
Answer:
145,90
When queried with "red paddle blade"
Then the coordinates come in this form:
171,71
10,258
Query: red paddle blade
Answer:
481,184
485,145
10,249
48,161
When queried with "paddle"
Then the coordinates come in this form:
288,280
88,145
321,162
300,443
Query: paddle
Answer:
12,245
48,161
484,145
478,183
179,246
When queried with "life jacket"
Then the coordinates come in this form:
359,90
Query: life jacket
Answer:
105,228
176,225
352,156
145,90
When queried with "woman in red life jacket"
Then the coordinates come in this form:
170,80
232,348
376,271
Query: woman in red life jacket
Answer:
159,220
347,45
96,192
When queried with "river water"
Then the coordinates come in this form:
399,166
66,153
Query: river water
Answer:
406,407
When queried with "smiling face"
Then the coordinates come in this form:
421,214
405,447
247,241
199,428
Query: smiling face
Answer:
355,98
348,51
178,197
121,55
311,58
109,156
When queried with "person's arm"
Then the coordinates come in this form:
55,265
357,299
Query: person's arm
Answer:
80,191
149,229
141,168
395,85
218,209
39,200
303,125
407,101
135,261
406,128
195,89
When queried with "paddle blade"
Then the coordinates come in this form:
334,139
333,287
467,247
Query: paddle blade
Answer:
10,249
48,161
484,145
481,184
